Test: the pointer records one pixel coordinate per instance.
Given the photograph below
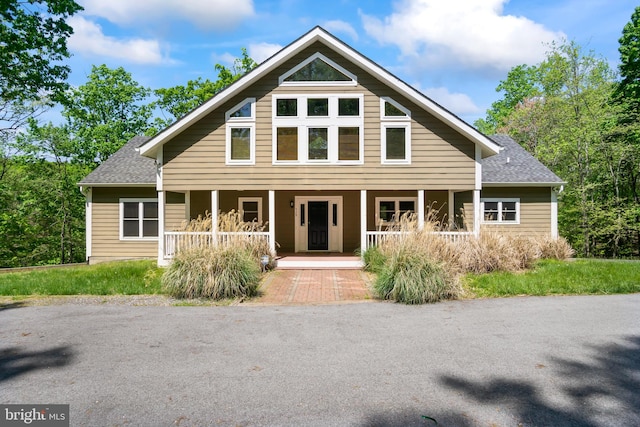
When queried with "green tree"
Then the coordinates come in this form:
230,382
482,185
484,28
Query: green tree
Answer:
520,85
105,112
559,110
33,35
179,100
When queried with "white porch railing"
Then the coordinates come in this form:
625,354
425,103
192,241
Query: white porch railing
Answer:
176,241
374,238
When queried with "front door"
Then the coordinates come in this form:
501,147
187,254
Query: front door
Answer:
318,223
318,228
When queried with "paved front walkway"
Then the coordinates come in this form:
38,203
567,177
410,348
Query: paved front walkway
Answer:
313,287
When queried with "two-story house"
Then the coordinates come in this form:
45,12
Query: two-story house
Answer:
323,145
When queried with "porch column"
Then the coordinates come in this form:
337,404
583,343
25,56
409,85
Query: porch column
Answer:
187,205
214,217
272,221
554,214
420,209
363,221
477,213
161,260
451,205
88,219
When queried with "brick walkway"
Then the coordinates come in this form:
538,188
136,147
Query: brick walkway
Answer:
313,287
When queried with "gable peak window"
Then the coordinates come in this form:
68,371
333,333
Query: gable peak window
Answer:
240,133
317,70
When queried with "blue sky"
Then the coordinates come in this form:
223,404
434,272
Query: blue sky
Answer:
455,51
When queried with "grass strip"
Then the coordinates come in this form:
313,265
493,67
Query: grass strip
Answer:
110,278
579,277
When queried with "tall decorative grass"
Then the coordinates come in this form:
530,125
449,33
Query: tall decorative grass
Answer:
215,272
419,265
230,268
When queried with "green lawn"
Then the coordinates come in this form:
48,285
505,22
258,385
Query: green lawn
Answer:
112,278
580,277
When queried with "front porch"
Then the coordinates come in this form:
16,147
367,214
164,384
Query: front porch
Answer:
307,229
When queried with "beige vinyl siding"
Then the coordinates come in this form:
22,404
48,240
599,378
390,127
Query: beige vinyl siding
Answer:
535,210
441,157
105,225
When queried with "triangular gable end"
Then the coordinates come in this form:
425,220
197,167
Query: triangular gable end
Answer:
487,146
318,70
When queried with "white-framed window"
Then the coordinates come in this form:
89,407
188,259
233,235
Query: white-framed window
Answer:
395,132
500,211
390,209
241,133
318,129
318,70
138,219
250,209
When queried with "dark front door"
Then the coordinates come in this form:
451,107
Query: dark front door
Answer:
318,239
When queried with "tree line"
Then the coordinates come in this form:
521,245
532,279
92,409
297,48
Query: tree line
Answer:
571,111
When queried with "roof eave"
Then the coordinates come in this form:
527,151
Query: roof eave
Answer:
116,184
523,184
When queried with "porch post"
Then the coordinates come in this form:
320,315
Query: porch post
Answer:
420,209
363,221
451,205
554,214
187,205
272,221
477,213
88,219
161,260
214,217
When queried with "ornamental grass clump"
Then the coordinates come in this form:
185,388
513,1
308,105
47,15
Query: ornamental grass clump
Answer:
213,272
412,277
413,265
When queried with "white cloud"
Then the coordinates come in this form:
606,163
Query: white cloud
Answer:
206,14
472,33
338,26
261,51
88,39
458,103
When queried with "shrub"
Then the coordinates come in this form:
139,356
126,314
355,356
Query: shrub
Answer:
212,272
411,277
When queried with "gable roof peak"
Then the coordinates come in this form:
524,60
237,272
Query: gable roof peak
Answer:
317,33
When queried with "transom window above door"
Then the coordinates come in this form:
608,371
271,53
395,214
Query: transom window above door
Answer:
318,128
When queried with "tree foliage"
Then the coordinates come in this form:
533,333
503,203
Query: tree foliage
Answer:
105,112
179,100
563,110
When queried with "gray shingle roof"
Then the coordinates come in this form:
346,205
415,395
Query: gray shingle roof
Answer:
515,165
125,166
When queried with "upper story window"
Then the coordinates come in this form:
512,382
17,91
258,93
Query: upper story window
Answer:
138,219
395,131
501,211
240,133
318,70
318,128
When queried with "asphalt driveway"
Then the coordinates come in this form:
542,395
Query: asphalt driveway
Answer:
553,361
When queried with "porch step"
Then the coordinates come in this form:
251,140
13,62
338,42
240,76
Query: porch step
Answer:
319,263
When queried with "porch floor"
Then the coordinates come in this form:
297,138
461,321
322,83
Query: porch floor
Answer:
314,287
318,261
